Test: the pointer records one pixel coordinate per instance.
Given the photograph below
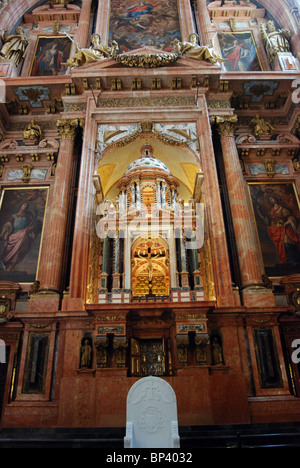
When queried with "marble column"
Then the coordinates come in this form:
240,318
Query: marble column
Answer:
243,222
116,263
82,34
85,201
132,188
195,260
105,263
184,273
54,243
158,194
138,196
214,216
204,21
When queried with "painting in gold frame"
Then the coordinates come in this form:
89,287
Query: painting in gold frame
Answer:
239,50
51,52
22,215
276,210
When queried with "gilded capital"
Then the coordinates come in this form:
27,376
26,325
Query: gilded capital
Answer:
226,124
67,128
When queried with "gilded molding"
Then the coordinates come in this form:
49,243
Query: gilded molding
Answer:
162,101
149,127
146,60
218,103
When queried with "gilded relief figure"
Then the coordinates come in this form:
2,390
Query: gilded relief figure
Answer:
149,259
192,49
14,46
261,126
32,132
275,40
95,53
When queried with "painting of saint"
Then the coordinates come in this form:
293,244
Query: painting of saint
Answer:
50,54
239,50
134,25
277,216
21,226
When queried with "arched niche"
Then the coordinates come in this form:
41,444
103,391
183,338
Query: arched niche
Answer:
182,162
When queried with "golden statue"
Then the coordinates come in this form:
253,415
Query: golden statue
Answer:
261,126
275,40
193,50
96,52
32,133
14,46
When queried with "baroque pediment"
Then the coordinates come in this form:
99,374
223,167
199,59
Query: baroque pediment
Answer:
147,57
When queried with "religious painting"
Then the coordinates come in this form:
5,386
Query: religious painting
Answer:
277,215
51,52
154,24
239,50
22,213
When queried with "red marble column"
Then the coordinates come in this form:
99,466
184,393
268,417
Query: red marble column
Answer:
82,34
214,216
204,21
53,246
243,222
81,242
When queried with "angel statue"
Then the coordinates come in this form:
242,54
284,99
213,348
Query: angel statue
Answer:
14,46
193,50
96,52
275,40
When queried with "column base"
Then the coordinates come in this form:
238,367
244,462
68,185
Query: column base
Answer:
103,281
184,279
116,280
44,301
258,296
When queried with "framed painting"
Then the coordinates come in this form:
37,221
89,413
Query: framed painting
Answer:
239,50
277,215
22,214
136,24
49,55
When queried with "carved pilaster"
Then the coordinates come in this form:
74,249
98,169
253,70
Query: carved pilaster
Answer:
101,345
120,345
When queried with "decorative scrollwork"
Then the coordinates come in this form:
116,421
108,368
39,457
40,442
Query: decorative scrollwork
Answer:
146,60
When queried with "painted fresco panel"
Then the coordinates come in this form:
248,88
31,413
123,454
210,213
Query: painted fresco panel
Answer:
134,25
277,216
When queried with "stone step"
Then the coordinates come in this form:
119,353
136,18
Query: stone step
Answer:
281,435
